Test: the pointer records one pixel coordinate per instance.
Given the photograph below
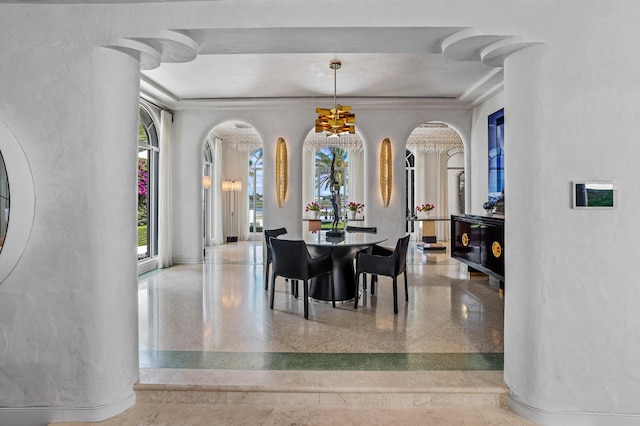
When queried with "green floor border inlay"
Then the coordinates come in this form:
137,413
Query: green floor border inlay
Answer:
322,361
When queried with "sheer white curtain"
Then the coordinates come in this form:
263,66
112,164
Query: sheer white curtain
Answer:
217,233
243,197
356,176
165,240
443,228
432,187
308,176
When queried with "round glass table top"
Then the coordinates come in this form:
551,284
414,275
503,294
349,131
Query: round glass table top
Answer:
321,238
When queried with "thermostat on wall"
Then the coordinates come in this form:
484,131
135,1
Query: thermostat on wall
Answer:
594,195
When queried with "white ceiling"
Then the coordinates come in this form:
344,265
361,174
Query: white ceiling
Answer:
294,63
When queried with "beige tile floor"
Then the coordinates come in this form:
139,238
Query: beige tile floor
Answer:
220,306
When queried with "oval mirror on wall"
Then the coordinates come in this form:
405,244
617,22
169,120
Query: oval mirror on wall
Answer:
17,203
4,202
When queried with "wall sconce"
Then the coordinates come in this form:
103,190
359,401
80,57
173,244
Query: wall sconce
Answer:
206,182
386,175
282,166
234,186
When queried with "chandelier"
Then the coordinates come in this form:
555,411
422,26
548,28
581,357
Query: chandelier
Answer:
339,119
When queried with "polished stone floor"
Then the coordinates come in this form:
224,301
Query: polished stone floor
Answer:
221,306
209,327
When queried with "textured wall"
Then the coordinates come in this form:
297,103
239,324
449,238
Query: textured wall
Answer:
67,310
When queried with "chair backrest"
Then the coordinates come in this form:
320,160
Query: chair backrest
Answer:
402,246
364,229
268,233
290,258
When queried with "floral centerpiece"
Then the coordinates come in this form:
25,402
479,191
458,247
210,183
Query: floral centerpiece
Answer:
314,208
424,209
354,208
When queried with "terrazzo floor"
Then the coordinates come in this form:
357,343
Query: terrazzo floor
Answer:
210,324
221,306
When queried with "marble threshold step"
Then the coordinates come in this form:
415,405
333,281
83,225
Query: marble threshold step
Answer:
381,389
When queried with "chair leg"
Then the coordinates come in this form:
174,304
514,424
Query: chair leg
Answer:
266,277
373,284
406,288
273,289
333,291
364,282
355,304
306,299
395,295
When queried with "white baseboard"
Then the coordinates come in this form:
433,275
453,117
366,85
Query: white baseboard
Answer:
179,260
42,416
552,418
147,265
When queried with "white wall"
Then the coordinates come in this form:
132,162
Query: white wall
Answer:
570,112
69,308
191,127
571,317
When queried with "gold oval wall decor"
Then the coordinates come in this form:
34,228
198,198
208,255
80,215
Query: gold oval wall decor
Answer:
282,167
496,249
464,239
386,166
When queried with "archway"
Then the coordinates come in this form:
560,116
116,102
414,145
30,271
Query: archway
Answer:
437,155
240,165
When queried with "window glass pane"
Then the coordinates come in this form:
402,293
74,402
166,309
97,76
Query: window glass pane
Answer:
255,191
410,190
145,118
143,139
153,136
148,169
4,202
143,203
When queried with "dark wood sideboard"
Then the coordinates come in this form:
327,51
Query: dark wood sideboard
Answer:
478,241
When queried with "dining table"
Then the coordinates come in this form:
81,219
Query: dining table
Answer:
343,251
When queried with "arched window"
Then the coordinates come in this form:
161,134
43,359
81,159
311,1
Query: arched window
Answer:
255,191
148,156
4,202
323,160
410,186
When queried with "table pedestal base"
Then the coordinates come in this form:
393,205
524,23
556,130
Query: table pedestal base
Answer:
344,274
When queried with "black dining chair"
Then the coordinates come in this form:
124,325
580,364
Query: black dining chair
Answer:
383,261
292,260
365,230
268,233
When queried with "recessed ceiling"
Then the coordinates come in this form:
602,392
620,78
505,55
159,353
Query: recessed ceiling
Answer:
396,62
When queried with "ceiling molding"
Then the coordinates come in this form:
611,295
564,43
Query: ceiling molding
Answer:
362,103
470,48
495,54
149,57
